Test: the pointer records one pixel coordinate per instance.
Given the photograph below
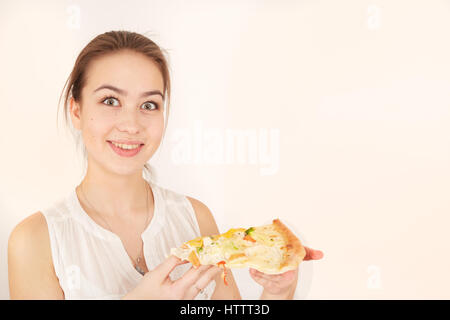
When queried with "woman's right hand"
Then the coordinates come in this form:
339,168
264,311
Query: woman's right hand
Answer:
156,284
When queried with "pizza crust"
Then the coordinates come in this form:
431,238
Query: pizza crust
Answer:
294,251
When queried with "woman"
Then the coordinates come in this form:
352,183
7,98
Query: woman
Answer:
111,236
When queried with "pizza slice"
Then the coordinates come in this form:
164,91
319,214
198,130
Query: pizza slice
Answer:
271,249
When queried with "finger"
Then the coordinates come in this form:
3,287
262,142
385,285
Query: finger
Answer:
281,277
164,269
312,254
268,277
202,282
260,280
191,276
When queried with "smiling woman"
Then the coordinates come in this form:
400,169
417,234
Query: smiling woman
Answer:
110,237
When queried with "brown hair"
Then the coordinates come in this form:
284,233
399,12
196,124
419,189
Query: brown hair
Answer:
107,43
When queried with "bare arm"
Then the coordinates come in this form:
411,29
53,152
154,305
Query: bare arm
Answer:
208,227
31,273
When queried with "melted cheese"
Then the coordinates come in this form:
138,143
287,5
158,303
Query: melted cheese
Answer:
232,232
263,256
195,243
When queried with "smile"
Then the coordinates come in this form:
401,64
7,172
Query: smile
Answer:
125,146
125,150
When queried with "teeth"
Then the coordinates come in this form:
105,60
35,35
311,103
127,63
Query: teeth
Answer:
125,146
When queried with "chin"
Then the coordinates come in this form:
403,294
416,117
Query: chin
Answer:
126,170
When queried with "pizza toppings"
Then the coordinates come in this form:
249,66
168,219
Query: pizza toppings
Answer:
224,273
232,232
270,249
197,242
249,230
236,256
194,259
249,238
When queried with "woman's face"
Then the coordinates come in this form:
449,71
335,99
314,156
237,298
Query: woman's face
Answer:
121,103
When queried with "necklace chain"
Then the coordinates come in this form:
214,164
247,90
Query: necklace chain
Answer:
136,266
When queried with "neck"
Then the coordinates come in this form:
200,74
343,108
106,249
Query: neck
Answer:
115,195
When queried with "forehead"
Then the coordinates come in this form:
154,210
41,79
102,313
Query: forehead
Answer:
131,71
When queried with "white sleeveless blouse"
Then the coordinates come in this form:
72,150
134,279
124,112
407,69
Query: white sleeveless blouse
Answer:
91,262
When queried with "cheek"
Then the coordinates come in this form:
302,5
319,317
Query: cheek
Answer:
94,130
155,130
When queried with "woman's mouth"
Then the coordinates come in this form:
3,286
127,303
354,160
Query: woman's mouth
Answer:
125,150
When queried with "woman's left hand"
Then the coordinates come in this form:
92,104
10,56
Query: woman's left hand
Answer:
278,284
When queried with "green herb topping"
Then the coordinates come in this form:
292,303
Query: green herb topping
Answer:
249,230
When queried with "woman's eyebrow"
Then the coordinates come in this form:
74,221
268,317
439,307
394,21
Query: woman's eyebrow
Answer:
124,93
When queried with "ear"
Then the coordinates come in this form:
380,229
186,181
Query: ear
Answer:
75,114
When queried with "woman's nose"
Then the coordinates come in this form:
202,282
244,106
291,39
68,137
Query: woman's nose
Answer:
128,121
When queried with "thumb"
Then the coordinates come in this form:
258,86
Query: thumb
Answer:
312,254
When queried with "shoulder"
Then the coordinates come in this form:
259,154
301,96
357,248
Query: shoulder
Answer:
30,233
205,218
29,258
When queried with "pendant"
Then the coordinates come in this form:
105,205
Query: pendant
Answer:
139,269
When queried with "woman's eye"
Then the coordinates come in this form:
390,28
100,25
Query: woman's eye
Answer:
148,105
110,101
